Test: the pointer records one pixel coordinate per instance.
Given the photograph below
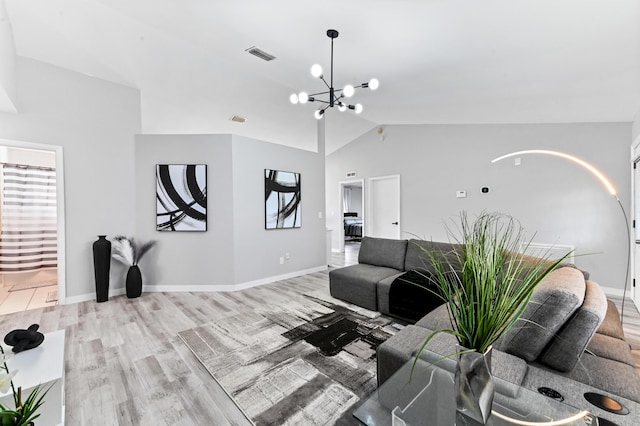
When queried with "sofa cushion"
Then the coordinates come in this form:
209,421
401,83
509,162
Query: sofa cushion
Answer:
438,319
404,345
398,350
569,343
358,283
402,296
383,252
552,303
592,374
418,258
442,348
611,326
615,377
413,295
611,348
571,265
384,286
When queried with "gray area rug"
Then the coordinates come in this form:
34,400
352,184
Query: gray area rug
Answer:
306,363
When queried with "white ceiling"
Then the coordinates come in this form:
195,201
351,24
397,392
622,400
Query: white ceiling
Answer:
438,61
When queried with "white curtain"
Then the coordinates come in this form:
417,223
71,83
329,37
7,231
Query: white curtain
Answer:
28,236
346,199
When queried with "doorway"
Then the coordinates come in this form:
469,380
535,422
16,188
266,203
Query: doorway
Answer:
352,214
384,207
635,270
31,238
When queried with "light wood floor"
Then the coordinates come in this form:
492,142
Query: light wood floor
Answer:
125,365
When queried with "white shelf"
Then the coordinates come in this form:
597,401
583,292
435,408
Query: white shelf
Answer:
42,365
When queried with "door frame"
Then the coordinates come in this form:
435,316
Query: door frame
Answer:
634,250
370,204
341,186
60,212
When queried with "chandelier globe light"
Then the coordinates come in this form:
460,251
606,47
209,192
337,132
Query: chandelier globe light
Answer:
335,97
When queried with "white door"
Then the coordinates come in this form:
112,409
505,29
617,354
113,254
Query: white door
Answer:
384,207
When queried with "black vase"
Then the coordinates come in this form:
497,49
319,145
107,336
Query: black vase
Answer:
134,282
101,265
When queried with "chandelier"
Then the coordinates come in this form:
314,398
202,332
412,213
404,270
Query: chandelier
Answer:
336,97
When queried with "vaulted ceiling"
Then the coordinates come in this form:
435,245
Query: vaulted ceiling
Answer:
438,61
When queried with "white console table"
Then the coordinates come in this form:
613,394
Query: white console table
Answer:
42,365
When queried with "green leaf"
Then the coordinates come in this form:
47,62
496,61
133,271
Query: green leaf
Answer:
486,282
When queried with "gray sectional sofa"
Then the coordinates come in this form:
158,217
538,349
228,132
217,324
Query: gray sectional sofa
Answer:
570,337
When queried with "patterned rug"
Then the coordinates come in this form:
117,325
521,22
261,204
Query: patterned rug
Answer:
306,363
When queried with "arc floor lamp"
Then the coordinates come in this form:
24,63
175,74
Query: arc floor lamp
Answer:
607,184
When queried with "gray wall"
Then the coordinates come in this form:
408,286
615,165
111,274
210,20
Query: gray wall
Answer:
186,258
95,123
559,200
355,200
7,63
236,250
258,251
110,186
107,191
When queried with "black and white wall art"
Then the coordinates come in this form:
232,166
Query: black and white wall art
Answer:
181,197
282,199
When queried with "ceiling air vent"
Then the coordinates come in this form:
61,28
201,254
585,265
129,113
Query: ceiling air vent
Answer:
260,54
238,119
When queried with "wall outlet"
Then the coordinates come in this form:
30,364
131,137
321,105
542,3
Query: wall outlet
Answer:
282,260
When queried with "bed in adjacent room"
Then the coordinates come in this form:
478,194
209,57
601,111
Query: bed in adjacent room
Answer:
352,226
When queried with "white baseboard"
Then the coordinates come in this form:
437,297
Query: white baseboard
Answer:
230,287
609,291
91,296
198,288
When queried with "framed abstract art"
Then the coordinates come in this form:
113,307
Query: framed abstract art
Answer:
282,199
181,197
